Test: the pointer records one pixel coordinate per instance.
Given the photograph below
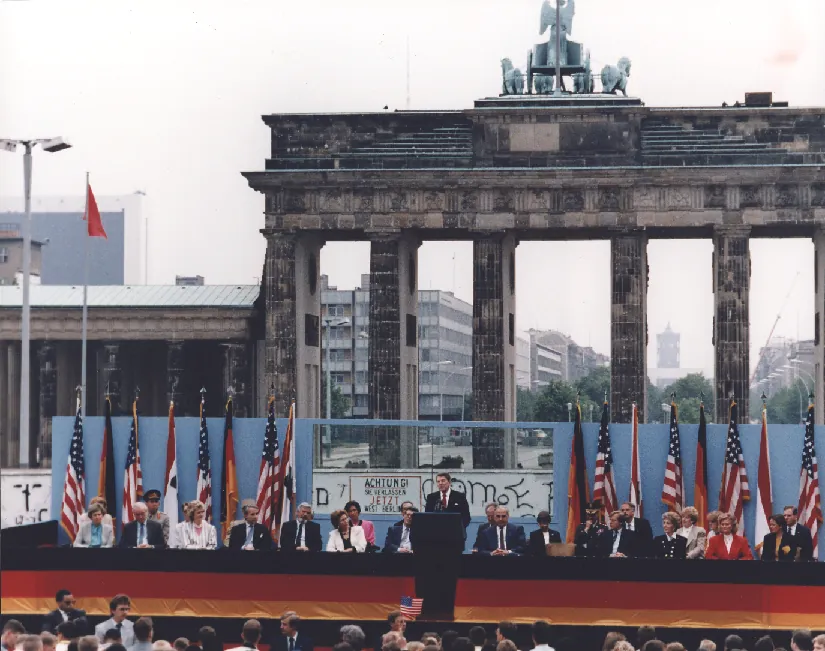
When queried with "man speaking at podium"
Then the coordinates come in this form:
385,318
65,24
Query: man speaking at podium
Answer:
446,499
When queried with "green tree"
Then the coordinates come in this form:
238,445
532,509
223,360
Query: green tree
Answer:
339,402
525,405
787,405
655,398
551,403
595,386
688,391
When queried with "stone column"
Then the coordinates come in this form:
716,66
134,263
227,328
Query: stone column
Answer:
236,376
5,432
12,402
628,327
174,375
293,323
731,330
393,347
111,376
494,348
47,361
819,326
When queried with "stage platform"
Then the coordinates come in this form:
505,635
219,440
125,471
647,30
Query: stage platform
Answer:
324,586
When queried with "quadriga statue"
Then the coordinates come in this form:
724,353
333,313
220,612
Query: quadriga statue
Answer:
544,84
512,82
615,77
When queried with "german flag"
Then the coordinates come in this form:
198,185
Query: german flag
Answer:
229,486
578,494
106,481
700,486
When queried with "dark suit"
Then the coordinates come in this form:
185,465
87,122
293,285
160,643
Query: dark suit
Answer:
393,540
513,538
261,538
457,503
536,546
627,543
53,619
587,541
312,536
804,542
154,535
302,642
664,548
481,529
643,537
769,551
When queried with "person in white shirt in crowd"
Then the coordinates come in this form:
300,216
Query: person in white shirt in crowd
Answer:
66,633
29,643
344,537
143,635
696,536
119,607
541,636
88,643
48,640
195,532
110,637
95,532
250,634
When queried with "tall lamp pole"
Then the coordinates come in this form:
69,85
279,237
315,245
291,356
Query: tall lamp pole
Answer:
441,391
330,323
51,145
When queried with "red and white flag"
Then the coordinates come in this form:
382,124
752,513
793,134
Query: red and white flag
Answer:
269,486
764,493
635,468
604,486
673,490
288,474
74,498
132,477
170,491
810,504
734,490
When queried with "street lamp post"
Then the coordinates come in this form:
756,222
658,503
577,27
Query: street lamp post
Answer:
463,390
50,145
441,390
330,323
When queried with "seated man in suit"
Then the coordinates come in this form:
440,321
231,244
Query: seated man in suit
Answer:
490,511
543,536
446,499
398,537
670,545
800,533
141,532
301,534
250,535
65,612
503,539
616,542
640,527
588,532
291,639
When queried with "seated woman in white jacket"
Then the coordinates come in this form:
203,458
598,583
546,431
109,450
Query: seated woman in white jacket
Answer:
195,532
345,538
94,532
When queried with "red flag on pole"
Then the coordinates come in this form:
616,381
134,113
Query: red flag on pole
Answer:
635,468
764,494
92,215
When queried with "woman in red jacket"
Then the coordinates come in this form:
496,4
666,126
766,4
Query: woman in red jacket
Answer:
726,545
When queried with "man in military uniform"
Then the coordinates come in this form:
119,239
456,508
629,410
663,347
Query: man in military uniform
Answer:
152,499
588,532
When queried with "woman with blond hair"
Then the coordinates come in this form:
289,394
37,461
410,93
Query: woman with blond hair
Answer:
670,545
195,532
726,545
696,536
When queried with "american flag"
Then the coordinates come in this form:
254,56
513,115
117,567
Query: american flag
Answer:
411,607
734,490
132,477
204,487
604,488
673,490
268,480
74,498
635,497
810,505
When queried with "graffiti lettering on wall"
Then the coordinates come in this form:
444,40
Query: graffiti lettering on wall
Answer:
25,496
524,493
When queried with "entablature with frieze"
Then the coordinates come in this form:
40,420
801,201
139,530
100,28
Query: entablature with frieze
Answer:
132,324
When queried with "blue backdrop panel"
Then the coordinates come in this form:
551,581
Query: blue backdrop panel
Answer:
785,448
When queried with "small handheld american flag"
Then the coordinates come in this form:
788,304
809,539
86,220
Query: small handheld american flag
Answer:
411,607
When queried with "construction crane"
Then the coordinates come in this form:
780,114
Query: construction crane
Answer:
770,334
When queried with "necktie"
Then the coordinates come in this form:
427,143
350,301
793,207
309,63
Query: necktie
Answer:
141,534
119,626
249,531
298,543
291,643
501,537
405,534
443,500
615,535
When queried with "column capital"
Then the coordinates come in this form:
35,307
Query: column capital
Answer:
732,230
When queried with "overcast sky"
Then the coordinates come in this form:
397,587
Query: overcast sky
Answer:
166,97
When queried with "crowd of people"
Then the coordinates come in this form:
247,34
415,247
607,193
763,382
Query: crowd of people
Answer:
624,534
67,629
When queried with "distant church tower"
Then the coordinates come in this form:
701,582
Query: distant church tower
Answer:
668,348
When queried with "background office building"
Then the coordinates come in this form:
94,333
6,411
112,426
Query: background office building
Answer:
562,358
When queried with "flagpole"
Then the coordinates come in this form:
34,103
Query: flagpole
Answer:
85,305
